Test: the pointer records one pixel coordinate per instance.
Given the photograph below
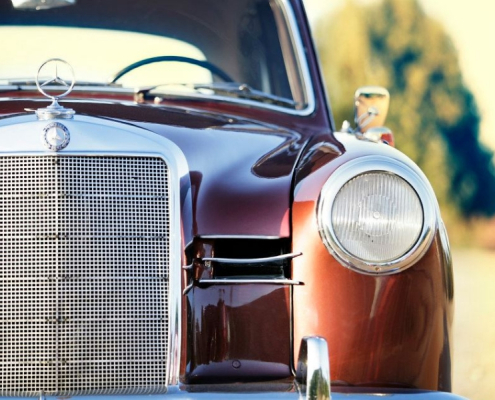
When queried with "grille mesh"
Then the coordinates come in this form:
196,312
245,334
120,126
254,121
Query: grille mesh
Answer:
83,275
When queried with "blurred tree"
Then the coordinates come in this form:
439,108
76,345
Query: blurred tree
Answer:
393,43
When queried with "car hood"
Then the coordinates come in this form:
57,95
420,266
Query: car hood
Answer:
240,170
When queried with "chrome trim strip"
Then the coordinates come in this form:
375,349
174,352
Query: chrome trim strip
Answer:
230,281
300,59
254,237
98,137
187,289
252,260
418,182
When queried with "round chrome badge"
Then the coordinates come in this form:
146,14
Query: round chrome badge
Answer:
56,136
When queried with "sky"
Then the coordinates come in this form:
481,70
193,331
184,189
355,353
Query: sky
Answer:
471,25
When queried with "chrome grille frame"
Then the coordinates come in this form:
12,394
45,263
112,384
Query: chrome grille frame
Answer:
145,145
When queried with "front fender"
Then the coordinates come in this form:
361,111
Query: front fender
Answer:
391,330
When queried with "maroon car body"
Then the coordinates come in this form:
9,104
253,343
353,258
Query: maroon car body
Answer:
253,191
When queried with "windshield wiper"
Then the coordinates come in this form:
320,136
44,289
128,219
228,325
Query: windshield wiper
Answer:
244,91
230,89
32,82
21,84
10,84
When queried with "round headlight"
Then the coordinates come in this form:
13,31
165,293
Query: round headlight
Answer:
377,215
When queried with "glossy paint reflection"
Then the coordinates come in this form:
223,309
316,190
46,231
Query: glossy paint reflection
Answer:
238,332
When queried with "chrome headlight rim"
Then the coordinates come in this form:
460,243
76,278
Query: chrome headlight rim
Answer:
377,164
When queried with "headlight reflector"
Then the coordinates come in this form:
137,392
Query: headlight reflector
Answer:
377,215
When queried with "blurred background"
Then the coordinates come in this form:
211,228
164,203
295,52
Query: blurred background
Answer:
437,59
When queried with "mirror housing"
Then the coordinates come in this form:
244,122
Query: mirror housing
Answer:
380,134
370,107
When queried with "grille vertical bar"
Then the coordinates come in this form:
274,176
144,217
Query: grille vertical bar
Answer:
84,270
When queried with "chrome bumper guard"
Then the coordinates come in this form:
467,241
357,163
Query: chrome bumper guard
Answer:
313,368
312,383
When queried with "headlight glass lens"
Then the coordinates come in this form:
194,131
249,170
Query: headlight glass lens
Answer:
377,217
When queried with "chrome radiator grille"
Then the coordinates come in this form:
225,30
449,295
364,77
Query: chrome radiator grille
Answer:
84,270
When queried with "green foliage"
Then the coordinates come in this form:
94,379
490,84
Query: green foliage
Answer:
318,388
393,43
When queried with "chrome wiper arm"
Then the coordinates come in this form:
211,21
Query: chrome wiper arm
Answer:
9,88
244,91
230,89
20,82
17,82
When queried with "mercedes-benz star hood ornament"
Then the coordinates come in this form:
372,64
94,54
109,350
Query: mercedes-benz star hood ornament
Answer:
60,84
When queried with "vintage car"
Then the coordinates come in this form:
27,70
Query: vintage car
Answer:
180,217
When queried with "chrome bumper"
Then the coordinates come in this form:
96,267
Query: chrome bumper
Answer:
187,395
312,383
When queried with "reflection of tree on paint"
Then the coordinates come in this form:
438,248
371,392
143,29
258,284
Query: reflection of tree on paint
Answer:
434,116
317,388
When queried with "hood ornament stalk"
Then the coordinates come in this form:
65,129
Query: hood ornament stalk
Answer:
55,84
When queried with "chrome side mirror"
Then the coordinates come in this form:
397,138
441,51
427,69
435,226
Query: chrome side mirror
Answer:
370,107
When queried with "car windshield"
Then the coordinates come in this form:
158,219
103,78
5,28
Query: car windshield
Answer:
217,47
